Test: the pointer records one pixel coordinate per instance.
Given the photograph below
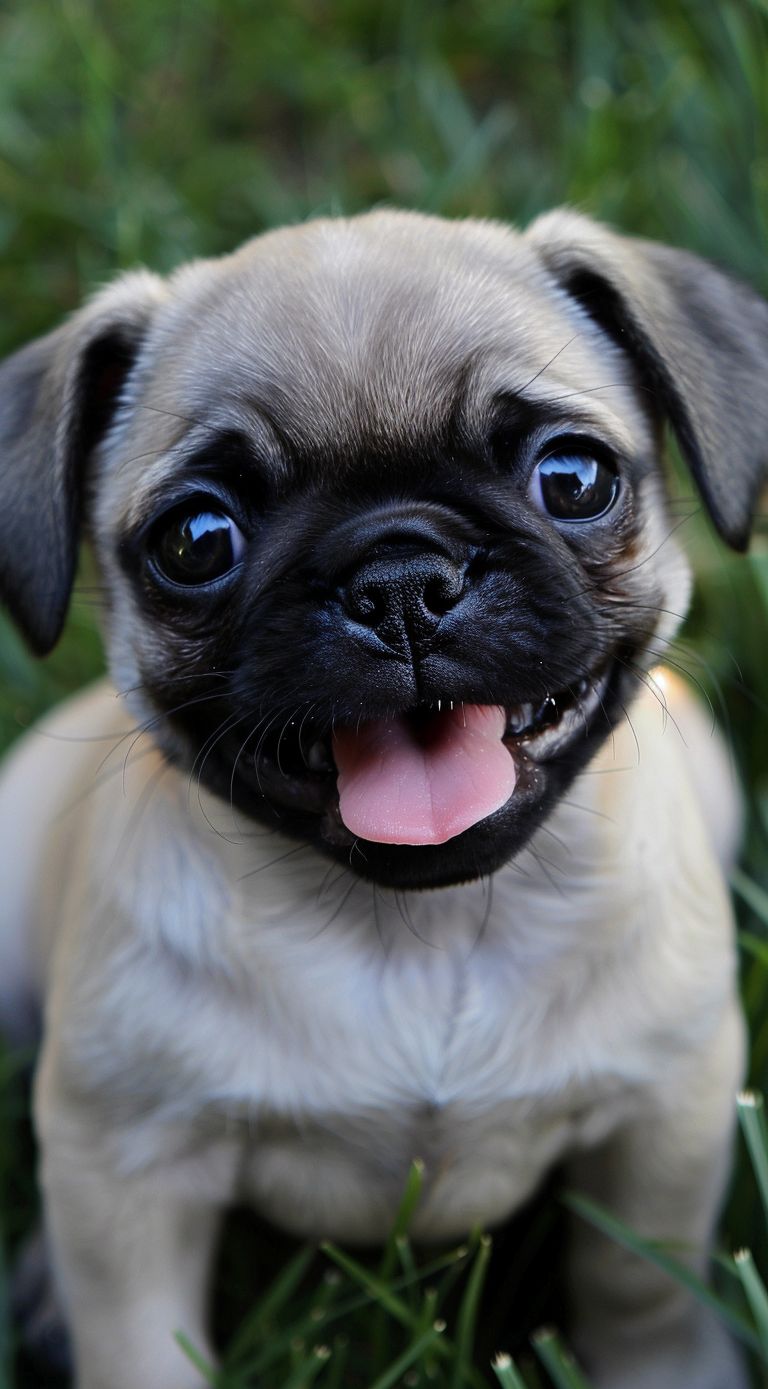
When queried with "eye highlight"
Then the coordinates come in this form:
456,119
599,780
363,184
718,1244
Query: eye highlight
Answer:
574,486
193,545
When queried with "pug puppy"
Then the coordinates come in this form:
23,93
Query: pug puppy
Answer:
388,838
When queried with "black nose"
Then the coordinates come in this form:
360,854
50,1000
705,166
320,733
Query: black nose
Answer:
403,598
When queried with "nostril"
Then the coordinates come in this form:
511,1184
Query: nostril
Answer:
443,592
366,601
403,597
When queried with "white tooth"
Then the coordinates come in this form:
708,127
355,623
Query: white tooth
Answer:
317,760
575,718
519,717
439,702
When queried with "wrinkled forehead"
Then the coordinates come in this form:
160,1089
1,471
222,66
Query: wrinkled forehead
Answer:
380,333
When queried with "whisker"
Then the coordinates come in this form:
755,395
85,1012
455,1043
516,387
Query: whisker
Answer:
94,785
487,888
135,816
542,865
188,675
310,707
221,732
280,858
342,904
608,386
257,754
281,735
230,721
645,679
590,809
376,919
356,849
548,364
341,871
140,730
172,415
694,680
406,919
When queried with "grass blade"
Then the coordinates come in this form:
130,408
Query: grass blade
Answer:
402,1221
557,1361
507,1374
752,1118
452,1262
378,1290
750,892
384,1294
285,1284
399,1231
757,1297
754,945
6,1378
267,1309
409,1357
338,1364
428,1316
616,1230
309,1369
409,1268
467,1318
200,1363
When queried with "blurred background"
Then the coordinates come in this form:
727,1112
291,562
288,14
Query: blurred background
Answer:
152,132
159,130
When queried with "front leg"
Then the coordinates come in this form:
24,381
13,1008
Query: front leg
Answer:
664,1175
131,1250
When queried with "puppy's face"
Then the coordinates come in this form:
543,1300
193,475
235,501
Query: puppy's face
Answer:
382,524
383,528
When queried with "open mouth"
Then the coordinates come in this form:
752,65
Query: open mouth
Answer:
425,775
545,729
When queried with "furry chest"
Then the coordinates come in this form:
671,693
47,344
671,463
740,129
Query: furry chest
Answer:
343,1175
330,1114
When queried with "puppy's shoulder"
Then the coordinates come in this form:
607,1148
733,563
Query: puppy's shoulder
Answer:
667,779
49,785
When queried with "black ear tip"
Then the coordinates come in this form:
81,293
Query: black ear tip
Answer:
731,502
739,541
735,531
42,642
37,571
35,591
41,627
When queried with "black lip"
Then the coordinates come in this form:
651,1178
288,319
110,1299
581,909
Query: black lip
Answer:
276,765
279,789
600,685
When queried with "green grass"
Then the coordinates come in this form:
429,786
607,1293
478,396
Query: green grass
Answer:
155,131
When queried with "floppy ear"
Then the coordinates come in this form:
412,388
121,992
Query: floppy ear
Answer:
57,397
699,340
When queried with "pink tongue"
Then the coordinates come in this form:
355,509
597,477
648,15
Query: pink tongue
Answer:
406,784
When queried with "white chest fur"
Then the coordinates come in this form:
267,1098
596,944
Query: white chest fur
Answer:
335,1056
323,1034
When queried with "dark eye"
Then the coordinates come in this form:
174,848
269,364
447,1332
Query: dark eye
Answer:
192,546
574,486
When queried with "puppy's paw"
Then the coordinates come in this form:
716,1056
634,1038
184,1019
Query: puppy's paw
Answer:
38,1312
